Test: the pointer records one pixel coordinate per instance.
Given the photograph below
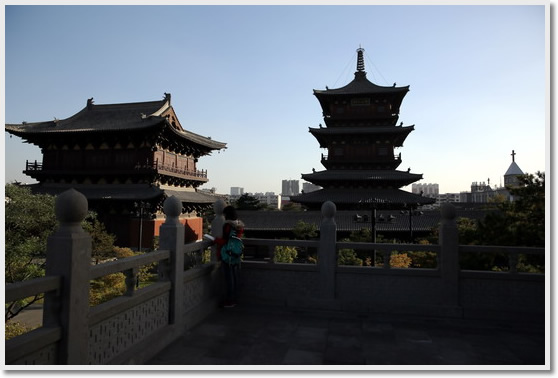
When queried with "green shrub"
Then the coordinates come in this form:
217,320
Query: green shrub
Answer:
348,257
14,329
284,254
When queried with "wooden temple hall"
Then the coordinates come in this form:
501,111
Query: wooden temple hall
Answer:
126,159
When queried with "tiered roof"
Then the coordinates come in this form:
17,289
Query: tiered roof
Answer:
325,135
360,118
107,118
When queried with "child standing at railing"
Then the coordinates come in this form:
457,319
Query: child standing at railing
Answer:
229,251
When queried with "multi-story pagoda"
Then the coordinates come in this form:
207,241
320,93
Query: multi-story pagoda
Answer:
126,159
361,134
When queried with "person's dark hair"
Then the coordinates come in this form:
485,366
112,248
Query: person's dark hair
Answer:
230,213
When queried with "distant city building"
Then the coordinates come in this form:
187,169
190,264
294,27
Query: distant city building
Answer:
511,175
427,190
482,192
269,198
447,198
290,188
212,190
236,191
308,187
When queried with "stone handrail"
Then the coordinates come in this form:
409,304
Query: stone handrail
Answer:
24,289
135,326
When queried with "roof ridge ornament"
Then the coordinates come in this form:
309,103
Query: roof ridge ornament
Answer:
90,103
360,60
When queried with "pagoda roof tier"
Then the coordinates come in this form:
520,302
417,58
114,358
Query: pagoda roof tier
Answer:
124,117
325,135
367,177
363,198
361,85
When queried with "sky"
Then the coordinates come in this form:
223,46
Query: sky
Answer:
245,75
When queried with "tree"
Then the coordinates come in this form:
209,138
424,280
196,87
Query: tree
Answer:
103,242
521,222
248,202
305,231
292,206
30,219
510,223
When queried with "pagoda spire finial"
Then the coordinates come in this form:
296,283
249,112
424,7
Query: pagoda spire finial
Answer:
360,59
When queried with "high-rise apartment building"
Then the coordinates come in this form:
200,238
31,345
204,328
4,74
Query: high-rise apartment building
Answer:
309,187
290,188
428,190
236,191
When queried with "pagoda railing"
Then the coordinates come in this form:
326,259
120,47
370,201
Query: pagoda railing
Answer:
33,166
348,159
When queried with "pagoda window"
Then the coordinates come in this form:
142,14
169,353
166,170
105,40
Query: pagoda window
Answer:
382,151
365,101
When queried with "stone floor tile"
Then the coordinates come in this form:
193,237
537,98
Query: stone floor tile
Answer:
303,357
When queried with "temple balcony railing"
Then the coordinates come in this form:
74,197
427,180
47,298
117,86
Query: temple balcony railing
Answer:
171,170
36,169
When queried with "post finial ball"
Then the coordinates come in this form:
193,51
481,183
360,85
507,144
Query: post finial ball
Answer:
219,206
71,207
329,209
172,207
447,211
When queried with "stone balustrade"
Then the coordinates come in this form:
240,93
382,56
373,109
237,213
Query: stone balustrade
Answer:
134,327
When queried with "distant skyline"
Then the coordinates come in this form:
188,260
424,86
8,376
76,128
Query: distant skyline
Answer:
244,75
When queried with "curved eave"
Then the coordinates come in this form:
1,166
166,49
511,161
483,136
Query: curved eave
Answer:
328,134
363,198
346,176
201,141
361,85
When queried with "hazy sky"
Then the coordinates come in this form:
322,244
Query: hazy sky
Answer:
244,75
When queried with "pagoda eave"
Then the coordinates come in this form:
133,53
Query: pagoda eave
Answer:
329,134
363,198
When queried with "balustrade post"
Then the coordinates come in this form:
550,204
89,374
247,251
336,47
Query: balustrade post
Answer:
327,251
69,255
171,238
217,226
449,254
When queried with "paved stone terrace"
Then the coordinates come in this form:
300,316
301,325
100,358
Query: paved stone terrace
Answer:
249,335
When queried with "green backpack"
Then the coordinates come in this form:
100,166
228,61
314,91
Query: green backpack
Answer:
232,250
